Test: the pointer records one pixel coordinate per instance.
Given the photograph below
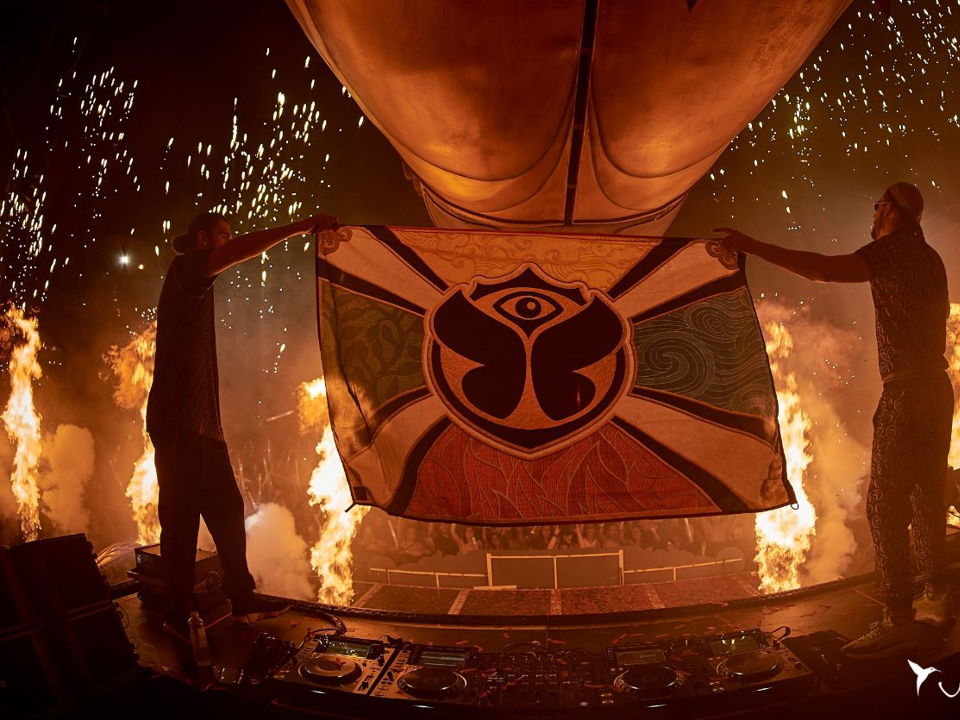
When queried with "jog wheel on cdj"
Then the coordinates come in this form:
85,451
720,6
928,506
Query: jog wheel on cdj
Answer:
648,680
753,664
433,682
330,670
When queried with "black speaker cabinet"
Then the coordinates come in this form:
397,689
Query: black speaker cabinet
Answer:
59,575
63,640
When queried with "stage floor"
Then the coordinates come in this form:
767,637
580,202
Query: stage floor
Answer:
886,688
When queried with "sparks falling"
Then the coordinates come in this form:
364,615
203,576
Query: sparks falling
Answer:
21,420
261,165
783,535
132,366
330,556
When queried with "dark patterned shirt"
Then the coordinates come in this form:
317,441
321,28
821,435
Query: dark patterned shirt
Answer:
909,286
186,386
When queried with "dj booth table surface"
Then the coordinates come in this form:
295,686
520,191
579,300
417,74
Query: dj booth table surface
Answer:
885,688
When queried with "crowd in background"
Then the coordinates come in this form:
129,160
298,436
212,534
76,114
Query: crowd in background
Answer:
406,541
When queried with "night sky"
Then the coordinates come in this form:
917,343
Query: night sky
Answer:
121,120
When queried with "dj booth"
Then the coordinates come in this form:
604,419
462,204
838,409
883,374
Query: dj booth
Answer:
746,658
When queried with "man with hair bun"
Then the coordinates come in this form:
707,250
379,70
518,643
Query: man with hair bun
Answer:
912,424
183,418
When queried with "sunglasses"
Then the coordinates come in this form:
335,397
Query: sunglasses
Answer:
876,205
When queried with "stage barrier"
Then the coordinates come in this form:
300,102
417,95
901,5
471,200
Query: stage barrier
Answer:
551,571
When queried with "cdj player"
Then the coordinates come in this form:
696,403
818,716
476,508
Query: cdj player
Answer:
335,663
426,672
643,671
750,658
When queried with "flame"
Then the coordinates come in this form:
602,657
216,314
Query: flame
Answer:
330,556
312,410
132,365
22,422
783,535
953,369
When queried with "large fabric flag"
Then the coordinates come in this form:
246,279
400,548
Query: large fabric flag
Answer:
513,378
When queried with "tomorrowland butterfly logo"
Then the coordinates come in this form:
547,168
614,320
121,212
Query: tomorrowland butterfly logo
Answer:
525,361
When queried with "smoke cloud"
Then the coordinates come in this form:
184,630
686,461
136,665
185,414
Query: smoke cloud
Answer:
277,555
835,488
69,456
826,361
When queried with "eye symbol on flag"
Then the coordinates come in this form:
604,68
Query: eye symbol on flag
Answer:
527,309
526,361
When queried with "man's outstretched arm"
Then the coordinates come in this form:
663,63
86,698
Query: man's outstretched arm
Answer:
252,244
811,265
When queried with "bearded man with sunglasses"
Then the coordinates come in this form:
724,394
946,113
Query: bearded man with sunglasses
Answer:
912,424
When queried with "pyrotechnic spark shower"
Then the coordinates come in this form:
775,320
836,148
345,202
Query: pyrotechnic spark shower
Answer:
832,137
267,164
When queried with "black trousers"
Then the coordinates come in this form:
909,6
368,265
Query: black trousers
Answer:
196,479
908,471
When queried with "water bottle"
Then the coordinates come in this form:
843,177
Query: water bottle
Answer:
198,640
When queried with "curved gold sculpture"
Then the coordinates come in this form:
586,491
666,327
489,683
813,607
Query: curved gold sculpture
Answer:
594,115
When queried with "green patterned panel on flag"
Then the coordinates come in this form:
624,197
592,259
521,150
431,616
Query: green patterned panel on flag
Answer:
708,351
379,346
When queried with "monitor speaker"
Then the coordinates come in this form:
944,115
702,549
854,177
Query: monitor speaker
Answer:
61,635
59,575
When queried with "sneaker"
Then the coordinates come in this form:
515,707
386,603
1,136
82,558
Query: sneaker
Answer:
934,609
258,607
884,639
